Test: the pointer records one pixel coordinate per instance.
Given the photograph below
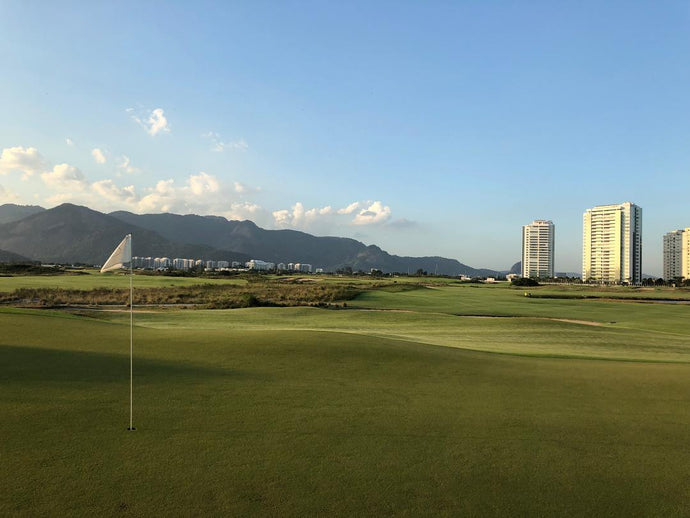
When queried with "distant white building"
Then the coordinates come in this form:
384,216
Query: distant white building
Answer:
677,254
162,263
302,267
183,264
257,264
612,244
538,249
291,266
281,266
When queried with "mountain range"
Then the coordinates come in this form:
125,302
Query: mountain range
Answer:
75,234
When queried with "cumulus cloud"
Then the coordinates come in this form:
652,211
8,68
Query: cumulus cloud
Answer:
65,177
69,142
245,210
125,166
299,217
111,192
203,184
155,123
161,198
326,219
26,160
243,188
374,214
350,208
7,196
218,145
98,156
201,193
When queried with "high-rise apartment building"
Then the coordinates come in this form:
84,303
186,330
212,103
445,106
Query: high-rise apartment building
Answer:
612,244
537,249
677,254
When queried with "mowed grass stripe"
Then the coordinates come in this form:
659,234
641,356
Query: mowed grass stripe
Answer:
532,336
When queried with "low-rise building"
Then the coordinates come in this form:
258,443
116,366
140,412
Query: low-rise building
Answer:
257,264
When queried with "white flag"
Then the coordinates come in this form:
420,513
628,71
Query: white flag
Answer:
121,255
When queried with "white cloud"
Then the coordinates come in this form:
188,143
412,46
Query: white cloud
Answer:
245,210
238,144
98,156
69,142
299,217
156,122
200,194
243,188
218,145
203,184
65,177
111,192
350,208
161,198
7,196
326,219
375,213
282,218
26,160
125,166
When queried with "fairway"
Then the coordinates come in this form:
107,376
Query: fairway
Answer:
92,279
398,405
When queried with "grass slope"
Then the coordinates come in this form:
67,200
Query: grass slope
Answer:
247,420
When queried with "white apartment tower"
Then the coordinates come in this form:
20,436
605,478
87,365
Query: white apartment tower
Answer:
612,244
537,249
677,254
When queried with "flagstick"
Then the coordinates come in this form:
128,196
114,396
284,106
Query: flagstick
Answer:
131,337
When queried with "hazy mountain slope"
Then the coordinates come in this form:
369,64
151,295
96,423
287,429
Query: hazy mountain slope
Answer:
11,257
286,246
10,212
70,233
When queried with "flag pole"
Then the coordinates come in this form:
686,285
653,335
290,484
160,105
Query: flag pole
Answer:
117,261
131,335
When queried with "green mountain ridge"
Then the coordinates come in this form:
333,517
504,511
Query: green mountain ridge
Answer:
328,252
75,234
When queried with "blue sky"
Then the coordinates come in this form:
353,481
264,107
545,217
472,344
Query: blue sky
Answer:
428,128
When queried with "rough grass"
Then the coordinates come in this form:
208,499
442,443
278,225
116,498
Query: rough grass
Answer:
216,296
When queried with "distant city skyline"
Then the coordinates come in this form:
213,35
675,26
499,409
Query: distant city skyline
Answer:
424,128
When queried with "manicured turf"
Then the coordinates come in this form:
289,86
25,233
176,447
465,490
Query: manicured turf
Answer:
302,411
